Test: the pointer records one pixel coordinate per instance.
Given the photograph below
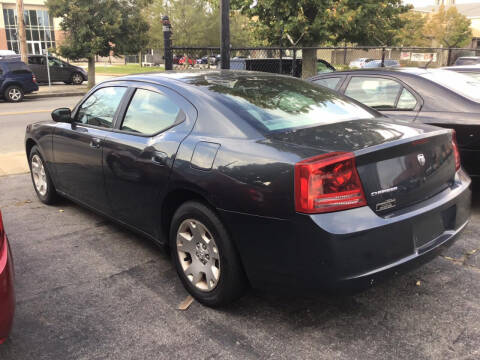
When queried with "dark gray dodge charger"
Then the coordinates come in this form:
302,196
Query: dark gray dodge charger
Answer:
255,179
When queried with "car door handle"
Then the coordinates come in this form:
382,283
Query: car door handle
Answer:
95,143
159,157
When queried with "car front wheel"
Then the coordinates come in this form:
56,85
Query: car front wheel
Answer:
204,256
77,79
14,93
42,182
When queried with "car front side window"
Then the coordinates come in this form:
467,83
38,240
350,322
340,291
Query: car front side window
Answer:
150,112
99,109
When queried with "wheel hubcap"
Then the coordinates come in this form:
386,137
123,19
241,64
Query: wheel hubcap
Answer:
14,94
198,254
77,79
39,176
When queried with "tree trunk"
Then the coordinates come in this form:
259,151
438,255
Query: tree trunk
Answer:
309,63
91,72
21,32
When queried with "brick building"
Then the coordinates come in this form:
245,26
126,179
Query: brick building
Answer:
42,31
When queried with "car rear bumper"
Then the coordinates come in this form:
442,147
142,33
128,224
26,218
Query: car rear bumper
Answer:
7,296
348,249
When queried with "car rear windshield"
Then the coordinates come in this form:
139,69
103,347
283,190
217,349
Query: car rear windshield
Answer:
280,103
18,67
464,85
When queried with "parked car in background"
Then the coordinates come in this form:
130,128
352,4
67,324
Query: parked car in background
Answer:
59,70
16,80
215,59
7,295
203,60
183,59
378,63
10,55
359,63
431,96
256,178
467,60
469,70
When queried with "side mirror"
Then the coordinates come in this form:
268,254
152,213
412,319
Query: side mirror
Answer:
62,115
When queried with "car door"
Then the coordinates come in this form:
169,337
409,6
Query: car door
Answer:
58,70
387,95
38,68
78,147
139,154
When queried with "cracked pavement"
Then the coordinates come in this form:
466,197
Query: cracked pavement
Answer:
87,289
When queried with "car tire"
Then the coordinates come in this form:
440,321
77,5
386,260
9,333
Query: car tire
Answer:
14,93
41,179
76,79
205,257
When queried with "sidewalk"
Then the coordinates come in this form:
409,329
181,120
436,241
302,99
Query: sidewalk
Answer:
13,163
58,90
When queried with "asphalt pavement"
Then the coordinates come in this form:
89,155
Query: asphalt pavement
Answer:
88,289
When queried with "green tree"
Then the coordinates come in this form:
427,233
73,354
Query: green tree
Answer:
283,22
310,23
195,23
413,31
449,28
98,27
367,22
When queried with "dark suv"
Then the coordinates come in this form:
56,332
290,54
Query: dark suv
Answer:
16,80
59,70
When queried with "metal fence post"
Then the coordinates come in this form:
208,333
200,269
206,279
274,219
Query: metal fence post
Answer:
167,43
294,62
281,61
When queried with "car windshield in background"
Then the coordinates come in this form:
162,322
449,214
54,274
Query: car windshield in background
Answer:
462,84
283,103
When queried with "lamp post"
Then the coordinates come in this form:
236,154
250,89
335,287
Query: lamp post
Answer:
225,34
167,42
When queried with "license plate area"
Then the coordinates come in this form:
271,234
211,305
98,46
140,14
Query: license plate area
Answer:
427,229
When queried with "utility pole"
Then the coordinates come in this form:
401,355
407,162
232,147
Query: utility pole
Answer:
22,38
225,34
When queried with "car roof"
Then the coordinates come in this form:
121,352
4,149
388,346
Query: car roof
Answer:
193,77
384,70
469,57
472,67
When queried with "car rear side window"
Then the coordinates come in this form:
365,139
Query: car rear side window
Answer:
100,107
380,93
330,82
150,112
18,68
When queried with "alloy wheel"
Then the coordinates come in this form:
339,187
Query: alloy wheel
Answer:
39,175
198,254
14,94
77,79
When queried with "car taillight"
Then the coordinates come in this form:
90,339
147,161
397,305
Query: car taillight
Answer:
34,78
2,235
455,151
326,183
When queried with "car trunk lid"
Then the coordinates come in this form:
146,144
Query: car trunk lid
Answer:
399,164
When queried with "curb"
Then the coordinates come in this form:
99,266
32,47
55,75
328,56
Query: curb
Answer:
47,95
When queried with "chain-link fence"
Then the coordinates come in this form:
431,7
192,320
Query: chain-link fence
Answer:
289,60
